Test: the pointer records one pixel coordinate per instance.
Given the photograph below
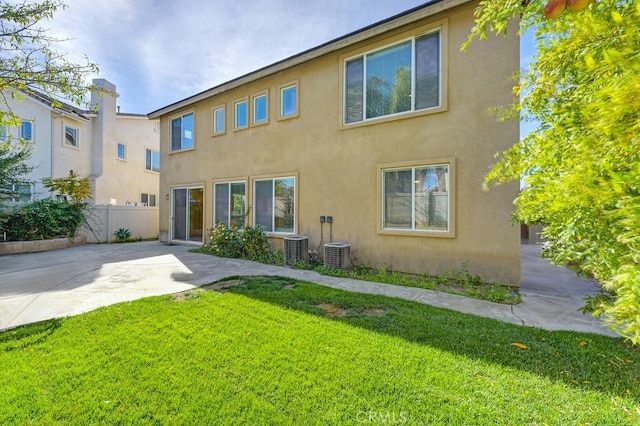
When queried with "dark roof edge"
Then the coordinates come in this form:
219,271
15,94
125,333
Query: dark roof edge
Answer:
429,8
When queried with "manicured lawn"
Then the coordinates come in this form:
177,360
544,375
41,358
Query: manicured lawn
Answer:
277,351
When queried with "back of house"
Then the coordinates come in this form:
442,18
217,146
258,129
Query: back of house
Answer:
385,131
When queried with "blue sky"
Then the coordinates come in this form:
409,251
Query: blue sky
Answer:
158,52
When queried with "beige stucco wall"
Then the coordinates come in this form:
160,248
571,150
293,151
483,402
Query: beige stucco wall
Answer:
337,167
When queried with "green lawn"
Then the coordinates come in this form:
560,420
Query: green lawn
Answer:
277,351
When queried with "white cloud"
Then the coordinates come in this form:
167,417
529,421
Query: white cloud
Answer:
158,52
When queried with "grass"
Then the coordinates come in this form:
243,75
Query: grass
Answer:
278,351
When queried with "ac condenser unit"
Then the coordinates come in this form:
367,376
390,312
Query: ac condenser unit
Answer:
296,249
337,255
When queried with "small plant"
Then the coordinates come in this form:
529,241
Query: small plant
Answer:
122,235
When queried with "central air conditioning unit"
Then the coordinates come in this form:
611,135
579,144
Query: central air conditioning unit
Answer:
296,249
337,255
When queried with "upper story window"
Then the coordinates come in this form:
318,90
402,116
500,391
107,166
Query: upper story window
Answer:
218,120
274,204
26,131
230,204
289,101
399,78
121,151
71,137
182,132
152,160
241,120
260,109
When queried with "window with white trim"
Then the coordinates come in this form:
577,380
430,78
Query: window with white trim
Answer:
274,204
241,114
230,204
400,78
121,151
416,198
182,132
152,160
218,120
147,199
71,137
260,109
289,101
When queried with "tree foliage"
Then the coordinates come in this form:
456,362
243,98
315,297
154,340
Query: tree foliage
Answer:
581,165
75,189
29,61
13,168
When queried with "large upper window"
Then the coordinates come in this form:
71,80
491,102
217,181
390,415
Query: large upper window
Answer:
400,78
152,160
274,204
416,198
182,132
230,201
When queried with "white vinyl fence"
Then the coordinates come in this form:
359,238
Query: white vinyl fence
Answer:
103,221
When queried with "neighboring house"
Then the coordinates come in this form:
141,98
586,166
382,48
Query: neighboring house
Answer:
386,130
118,152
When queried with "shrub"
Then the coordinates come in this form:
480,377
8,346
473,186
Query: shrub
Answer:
43,219
122,235
250,242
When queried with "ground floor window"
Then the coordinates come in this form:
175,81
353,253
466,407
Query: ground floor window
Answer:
274,204
230,204
148,199
416,198
17,193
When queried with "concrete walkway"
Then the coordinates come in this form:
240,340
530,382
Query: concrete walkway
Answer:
39,286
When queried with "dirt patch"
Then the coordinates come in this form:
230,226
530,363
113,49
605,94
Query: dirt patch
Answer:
375,312
223,286
289,287
332,310
187,295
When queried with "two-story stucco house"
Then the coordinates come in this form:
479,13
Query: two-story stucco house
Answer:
118,152
385,130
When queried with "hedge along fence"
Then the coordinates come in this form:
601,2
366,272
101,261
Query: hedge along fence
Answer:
42,220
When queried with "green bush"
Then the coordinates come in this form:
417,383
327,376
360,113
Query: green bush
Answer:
122,235
43,219
250,242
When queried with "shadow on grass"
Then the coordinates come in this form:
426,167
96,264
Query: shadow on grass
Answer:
24,336
587,361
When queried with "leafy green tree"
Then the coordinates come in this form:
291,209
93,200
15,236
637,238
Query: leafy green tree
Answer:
73,188
13,168
581,165
29,61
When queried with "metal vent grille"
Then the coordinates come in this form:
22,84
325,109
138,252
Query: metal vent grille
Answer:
337,255
296,249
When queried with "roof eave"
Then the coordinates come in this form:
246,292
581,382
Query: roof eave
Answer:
389,24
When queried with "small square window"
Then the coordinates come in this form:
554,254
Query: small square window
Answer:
289,101
218,121
241,114
71,136
260,109
122,151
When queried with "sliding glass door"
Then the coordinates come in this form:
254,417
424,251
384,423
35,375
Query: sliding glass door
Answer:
187,215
